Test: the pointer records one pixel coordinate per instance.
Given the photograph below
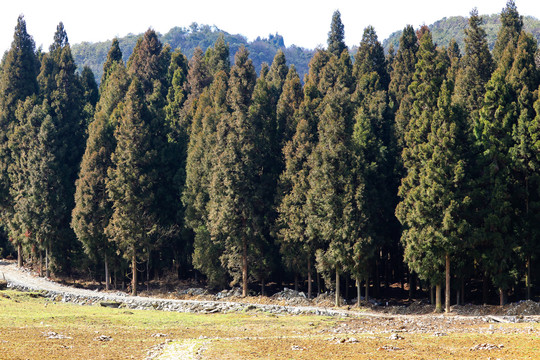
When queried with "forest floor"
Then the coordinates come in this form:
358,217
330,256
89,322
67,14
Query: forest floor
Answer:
35,327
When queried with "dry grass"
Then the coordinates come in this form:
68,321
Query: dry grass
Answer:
26,320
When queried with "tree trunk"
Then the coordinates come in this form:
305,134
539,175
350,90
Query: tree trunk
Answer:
412,285
262,287
346,287
502,297
318,283
366,299
485,288
438,303
447,286
107,278
40,263
528,278
377,280
148,272
19,255
358,286
244,268
309,278
338,303
47,270
134,271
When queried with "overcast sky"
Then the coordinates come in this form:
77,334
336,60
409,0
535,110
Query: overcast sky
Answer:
301,22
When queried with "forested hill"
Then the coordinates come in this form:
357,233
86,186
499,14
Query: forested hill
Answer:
452,27
187,39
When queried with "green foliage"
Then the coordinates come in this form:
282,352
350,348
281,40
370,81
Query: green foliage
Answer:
234,195
453,27
188,39
132,177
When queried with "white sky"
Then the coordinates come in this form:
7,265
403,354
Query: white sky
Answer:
301,22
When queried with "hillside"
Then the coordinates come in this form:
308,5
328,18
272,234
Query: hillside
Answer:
261,49
450,28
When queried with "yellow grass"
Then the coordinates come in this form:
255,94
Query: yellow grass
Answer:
26,321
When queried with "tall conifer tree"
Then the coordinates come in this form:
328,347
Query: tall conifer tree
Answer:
234,192
132,180
18,81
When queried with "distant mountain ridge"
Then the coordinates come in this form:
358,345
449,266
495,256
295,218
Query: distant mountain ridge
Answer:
452,27
261,50
264,49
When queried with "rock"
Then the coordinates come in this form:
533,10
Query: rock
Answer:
3,284
103,338
396,337
296,348
110,304
486,347
55,335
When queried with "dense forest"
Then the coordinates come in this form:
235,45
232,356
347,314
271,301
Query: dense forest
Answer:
452,28
419,167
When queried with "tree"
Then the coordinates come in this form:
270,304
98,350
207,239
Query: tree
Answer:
287,105
401,78
93,208
512,24
132,180
522,77
113,56
424,91
370,58
17,82
234,192
336,36
211,107
497,118
61,89
476,68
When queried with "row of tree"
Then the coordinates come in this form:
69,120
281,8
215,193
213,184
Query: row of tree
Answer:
426,156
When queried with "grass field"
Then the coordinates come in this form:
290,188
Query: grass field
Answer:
32,327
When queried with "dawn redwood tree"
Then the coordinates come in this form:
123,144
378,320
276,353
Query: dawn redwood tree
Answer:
287,106
424,91
403,68
132,180
61,89
298,242
522,77
475,70
211,107
113,56
370,58
336,36
18,80
234,191
511,26
93,207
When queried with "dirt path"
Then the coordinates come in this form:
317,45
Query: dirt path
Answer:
25,280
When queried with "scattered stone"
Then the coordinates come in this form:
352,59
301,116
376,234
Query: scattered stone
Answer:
395,336
438,333
193,292
389,348
103,338
486,347
297,348
110,304
55,335
157,335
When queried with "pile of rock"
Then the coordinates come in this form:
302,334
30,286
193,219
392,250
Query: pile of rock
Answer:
526,307
234,292
292,297
193,292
